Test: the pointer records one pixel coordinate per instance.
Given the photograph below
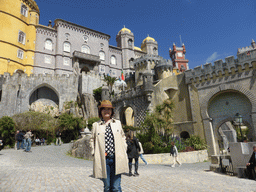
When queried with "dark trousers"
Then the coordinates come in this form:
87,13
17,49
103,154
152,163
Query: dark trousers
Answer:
251,172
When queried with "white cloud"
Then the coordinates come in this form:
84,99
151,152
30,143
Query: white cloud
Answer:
212,58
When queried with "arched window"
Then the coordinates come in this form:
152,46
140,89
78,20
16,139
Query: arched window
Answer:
66,46
48,44
113,60
85,49
102,55
22,37
24,10
130,43
155,50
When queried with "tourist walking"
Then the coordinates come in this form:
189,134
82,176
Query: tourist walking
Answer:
108,148
133,150
24,141
28,137
174,153
18,138
141,154
58,138
251,165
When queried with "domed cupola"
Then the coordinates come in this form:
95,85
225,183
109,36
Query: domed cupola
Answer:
150,46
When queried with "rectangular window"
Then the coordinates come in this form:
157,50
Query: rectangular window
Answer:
22,37
66,61
20,53
102,69
67,46
47,59
24,10
114,73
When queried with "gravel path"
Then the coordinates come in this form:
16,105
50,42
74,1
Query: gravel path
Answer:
48,168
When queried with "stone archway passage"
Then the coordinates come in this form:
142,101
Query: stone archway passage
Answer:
184,135
44,93
127,116
226,104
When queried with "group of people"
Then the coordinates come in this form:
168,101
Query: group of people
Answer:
23,141
114,152
40,141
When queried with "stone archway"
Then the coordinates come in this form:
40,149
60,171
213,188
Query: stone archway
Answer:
184,135
210,123
44,99
85,69
127,116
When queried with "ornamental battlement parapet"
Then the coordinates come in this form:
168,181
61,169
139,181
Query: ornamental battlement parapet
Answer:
16,77
129,94
141,60
220,68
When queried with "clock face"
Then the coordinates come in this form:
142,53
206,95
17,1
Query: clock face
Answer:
179,54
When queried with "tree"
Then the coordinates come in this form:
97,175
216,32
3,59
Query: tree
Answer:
97,94
157,128
7,130
70,127
110,82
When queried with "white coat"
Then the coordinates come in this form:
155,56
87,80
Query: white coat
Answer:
97,143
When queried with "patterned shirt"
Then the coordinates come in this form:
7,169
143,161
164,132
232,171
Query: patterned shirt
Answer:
109,141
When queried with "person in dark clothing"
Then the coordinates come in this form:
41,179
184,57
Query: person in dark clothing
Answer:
251,165
18,138
58,138
133,150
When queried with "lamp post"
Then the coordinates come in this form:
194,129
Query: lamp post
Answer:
239,121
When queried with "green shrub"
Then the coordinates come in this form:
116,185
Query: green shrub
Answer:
69,126
7,130
196,142
42,125
91,121
97,94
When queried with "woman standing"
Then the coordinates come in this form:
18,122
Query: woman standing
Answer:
108,148
133,153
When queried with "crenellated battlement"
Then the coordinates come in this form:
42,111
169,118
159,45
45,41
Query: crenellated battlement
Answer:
46,77
128,94
220,68
152,58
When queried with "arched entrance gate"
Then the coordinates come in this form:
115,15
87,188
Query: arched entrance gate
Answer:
222,109
219,108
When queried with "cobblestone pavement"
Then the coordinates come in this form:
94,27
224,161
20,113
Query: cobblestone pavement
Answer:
48,168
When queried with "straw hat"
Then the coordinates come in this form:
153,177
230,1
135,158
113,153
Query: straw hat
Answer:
106,103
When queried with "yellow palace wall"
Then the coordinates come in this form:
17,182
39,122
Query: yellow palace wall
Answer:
11,22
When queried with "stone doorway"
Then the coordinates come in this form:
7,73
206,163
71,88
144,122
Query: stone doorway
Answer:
222,108
127,116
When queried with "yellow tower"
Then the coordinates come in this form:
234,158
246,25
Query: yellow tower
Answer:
18,19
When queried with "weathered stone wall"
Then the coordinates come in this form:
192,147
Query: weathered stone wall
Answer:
17,90
186,116
211,82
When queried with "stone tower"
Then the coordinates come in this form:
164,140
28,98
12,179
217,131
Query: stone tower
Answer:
125,40
177,55
18,35
150,46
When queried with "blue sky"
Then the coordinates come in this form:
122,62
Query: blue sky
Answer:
210,29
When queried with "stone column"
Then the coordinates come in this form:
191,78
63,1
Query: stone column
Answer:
210,138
